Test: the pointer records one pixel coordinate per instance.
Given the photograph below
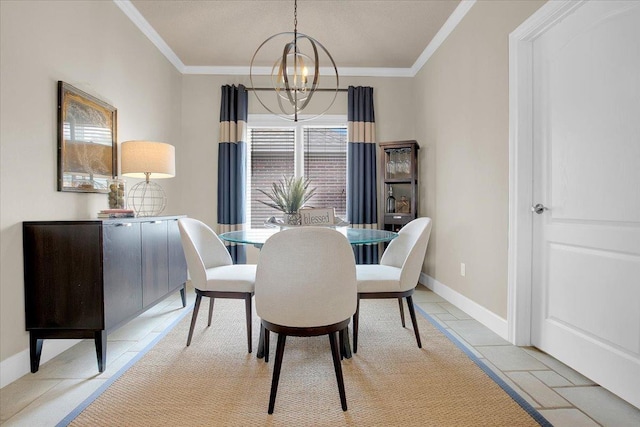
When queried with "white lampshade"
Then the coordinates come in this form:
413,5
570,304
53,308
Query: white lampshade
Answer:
148,159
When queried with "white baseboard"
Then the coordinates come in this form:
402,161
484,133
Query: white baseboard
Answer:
19,364
489,319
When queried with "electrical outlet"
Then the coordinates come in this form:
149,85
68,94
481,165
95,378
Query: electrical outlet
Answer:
463,269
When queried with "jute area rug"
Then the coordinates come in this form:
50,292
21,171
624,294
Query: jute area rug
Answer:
389,382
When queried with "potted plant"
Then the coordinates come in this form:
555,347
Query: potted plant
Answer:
288,195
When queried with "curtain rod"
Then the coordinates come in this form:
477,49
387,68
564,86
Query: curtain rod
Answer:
317,90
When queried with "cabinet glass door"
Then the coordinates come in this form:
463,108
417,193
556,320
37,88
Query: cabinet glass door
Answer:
398,163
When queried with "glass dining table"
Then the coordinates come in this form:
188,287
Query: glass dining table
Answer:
356,236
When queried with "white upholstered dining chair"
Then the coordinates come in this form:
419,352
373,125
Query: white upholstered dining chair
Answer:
397,274
212,271
306,286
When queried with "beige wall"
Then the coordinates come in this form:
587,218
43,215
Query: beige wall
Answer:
462,124
95,47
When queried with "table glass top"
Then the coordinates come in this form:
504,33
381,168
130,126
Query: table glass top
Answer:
356,236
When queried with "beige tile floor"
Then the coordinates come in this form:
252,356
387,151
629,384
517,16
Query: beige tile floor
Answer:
561,395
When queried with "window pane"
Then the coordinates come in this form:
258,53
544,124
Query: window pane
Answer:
272,156
325,162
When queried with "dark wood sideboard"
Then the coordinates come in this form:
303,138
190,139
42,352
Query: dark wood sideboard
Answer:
84,279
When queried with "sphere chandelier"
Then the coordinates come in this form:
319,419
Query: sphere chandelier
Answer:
295,76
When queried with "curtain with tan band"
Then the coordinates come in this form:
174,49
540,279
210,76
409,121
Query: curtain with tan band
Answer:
232,149
362,200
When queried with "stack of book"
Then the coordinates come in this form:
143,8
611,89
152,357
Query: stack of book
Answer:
116,213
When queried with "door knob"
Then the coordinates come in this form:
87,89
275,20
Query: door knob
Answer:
539,208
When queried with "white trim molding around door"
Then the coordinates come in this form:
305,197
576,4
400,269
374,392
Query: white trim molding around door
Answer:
521,164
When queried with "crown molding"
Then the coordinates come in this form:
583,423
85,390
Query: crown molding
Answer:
136,17
452,22
324,71
375,72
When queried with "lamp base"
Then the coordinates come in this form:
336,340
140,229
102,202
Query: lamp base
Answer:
147,199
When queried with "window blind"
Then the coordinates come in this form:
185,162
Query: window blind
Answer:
272,156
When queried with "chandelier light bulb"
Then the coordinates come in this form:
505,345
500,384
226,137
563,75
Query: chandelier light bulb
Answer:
297,75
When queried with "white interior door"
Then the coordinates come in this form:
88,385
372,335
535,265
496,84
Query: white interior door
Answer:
586,246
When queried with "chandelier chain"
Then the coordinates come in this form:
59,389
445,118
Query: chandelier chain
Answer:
295,56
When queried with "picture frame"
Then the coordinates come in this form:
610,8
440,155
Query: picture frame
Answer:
87,148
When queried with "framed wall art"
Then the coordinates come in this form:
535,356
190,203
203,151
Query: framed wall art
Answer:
87,149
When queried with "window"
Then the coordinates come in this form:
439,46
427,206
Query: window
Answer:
317,150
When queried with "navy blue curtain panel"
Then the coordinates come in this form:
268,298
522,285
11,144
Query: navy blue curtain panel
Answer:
362,195
232,181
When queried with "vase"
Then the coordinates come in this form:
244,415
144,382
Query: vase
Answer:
116,193
291,218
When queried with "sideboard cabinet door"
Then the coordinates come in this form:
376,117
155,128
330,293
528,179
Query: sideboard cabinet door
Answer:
155,274
177,261
63,279
122,271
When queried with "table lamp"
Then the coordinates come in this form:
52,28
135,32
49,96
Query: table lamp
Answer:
147,159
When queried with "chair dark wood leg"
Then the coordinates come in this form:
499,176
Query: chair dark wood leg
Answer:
247,306
401,310
337,365
260,353
266,345
196,307
183,294
355,326
276,371
412,312
345,345
211,300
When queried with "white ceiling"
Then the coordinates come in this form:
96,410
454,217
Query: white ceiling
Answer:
365,37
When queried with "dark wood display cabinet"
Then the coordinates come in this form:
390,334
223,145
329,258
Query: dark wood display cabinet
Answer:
400,184
84,279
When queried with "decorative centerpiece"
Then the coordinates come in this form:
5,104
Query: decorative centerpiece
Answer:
288,195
